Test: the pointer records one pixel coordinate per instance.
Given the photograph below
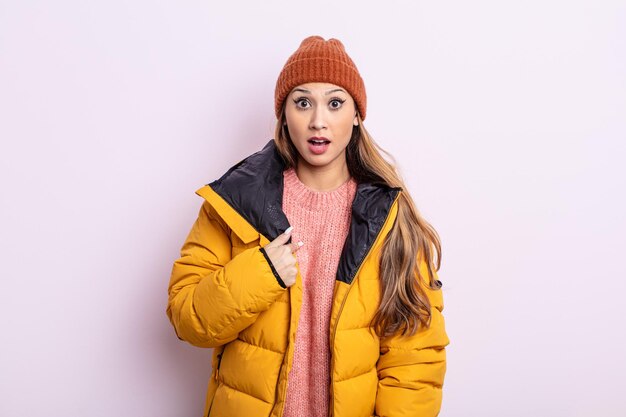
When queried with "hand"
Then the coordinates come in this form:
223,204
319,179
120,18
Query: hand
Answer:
281,255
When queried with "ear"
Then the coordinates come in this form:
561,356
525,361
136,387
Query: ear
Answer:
356,120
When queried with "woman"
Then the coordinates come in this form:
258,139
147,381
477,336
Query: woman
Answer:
309,270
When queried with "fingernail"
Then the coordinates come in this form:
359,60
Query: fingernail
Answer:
288,230
300,243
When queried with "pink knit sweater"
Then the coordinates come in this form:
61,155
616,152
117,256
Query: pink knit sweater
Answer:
320,220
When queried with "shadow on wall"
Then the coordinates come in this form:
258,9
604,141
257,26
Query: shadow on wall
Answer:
174,374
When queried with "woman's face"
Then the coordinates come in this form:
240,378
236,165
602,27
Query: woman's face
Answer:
320,117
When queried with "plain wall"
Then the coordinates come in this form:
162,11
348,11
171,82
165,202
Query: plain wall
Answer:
507,120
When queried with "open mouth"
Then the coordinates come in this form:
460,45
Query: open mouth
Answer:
319,141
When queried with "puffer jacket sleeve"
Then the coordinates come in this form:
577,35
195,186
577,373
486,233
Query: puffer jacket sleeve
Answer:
411,369
211,297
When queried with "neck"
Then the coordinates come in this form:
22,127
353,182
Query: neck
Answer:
326,178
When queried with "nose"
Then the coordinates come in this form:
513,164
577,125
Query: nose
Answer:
318,119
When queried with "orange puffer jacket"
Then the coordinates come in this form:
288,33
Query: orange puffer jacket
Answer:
223,294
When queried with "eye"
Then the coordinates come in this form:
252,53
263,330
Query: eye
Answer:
302,103
336,103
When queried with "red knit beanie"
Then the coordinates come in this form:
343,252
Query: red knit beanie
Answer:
318,60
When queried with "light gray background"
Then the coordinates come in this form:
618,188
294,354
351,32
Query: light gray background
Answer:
507,120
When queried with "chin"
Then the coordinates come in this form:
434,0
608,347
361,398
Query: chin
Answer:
319,161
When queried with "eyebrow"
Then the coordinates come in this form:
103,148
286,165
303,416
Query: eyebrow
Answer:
327,93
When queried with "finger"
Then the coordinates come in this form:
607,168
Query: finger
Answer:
296,246
282,238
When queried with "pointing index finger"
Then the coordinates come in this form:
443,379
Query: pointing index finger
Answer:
296,246
282,238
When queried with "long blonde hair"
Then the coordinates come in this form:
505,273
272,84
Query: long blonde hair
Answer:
404,305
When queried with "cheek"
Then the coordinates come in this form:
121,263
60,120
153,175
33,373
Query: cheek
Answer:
346,125
295,123
347,118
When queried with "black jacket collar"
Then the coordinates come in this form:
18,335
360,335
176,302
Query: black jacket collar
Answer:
254,188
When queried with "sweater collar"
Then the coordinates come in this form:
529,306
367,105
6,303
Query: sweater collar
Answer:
313,200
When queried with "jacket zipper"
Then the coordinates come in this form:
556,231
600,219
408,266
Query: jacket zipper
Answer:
284,396
334,332
332,357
